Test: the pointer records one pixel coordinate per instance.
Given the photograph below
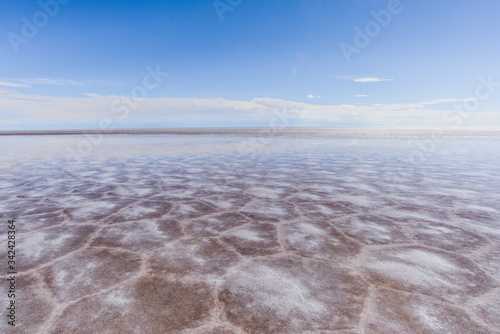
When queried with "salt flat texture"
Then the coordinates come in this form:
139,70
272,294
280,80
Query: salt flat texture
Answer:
303,233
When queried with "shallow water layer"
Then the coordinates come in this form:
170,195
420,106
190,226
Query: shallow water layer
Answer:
252,233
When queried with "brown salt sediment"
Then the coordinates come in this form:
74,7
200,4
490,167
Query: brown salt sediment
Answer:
172,244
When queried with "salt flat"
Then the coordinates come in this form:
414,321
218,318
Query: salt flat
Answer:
254,233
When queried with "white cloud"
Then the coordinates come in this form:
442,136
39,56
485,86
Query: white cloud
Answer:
360,95
370,79
12,84
93,95
310,96
450,100
92,108
27,82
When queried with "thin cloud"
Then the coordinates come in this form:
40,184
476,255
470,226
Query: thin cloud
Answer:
93,95
12,84
360,95
45,81
345,77
310,96
27,82
110,83
92,108
450,100
371,79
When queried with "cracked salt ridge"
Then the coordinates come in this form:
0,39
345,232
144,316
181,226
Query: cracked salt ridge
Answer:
89,271
149,305
320,241
214,224
371,229
36,222
489,259
487,307
43,246
291,294
446,237
400,312
202,258
323,192
36,305
255,239
270,210
139,236
448,276
228,202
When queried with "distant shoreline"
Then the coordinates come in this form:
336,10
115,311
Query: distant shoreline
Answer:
313,131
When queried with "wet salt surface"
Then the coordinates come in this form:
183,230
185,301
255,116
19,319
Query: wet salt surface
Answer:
305,234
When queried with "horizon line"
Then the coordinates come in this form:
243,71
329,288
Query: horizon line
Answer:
449,130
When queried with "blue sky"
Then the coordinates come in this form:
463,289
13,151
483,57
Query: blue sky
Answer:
248,63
